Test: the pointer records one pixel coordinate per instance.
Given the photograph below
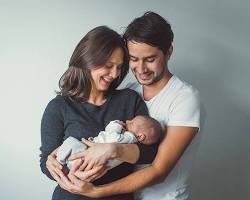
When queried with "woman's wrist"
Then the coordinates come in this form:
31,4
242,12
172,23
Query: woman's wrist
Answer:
126,152
114,150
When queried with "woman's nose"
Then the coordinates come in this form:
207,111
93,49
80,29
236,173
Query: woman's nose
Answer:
114,72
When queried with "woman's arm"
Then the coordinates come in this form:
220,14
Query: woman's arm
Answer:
52,132
100,153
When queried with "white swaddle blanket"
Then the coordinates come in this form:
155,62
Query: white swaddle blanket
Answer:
114,133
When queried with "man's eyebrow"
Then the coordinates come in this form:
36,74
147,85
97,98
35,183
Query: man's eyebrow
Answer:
151,56
132,56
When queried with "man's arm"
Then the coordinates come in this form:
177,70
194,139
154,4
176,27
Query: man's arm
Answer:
172,147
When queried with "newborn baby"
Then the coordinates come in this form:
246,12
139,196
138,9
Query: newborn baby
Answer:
141,129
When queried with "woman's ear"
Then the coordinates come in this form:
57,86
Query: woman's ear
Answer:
140,137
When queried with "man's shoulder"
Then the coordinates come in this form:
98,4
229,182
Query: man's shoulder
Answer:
183,88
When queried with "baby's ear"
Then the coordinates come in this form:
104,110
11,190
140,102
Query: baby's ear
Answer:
140,137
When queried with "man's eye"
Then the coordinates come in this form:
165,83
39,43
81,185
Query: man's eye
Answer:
132,59
150,59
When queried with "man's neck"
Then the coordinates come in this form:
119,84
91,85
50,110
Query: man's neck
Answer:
149,91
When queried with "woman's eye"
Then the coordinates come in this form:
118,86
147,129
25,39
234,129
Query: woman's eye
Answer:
119,67
108,66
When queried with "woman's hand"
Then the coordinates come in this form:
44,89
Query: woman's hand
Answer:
74,185
54,167
89,175
96,155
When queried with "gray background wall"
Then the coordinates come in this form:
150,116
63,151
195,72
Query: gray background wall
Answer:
211,51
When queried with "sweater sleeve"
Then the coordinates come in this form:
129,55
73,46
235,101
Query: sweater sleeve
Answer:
52,131
147,152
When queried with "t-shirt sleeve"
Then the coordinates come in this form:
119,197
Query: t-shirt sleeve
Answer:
52,132
185,109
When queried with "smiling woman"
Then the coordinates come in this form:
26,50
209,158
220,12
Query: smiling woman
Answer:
99,50
104,76
86,103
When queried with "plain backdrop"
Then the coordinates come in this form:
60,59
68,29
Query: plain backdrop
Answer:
211,51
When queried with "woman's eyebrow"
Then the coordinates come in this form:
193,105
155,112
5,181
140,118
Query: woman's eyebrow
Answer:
113,63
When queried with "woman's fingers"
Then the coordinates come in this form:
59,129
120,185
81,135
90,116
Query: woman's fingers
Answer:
89,166
83,166
54,174
76,165
59,173
75,156
97,175
52,161
54,152
87,142
54,167
83,175
66,184
74,179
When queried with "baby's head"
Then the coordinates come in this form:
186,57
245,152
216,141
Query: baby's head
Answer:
146,129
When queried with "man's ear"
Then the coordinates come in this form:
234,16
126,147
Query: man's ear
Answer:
140,137
169,52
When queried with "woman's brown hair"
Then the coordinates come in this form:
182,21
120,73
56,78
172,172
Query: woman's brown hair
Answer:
93,51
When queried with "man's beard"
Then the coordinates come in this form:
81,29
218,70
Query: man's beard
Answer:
154,80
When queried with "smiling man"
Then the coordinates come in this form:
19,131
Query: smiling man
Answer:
172,102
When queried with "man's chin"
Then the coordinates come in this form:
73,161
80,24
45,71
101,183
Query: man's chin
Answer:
145,82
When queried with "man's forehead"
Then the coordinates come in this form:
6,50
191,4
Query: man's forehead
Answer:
141,49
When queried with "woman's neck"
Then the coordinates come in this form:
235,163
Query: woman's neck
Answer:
97,98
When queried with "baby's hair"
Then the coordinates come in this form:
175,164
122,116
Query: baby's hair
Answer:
153,128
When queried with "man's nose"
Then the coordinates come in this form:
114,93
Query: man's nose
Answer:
141,67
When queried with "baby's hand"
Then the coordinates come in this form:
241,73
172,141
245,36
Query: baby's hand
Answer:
123,124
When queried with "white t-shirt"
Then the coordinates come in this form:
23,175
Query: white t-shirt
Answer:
177,104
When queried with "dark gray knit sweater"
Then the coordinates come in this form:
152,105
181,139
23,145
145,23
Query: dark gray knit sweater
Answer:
63,118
